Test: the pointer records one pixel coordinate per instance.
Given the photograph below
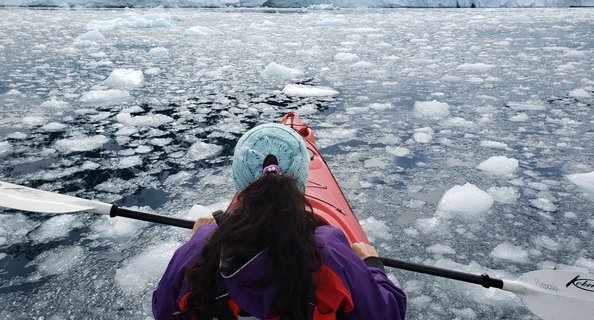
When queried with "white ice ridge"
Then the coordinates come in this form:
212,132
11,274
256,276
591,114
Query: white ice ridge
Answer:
144,22
509,252
82,143
93,35
200,31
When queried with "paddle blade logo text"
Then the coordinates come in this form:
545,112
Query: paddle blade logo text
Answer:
583,284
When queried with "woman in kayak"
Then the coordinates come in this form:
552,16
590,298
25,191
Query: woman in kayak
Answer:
269,258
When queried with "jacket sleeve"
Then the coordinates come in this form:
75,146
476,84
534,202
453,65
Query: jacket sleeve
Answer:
172,285
373,295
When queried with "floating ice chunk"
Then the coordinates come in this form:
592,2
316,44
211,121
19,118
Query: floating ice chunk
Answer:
440,249
17,136
129,162
274,70
465,201
151,120
583,180
493,144
54,104
54,126
546,242
201,31
504,194
458,122
543,204
5,148
580,93
140,271
132,20
56,227
499,165
509,252
300,90
431,109
59,260
33,121
585,263
522,117
530,105
423,135
346,57
376,163
362,65
575,54
125,79
117,228
332,22
105,97
152,71
475,67
93,35
159,52
376,229
398,151
202,150
143,149
82,143
15,226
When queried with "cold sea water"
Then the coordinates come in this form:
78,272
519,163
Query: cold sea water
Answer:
462,139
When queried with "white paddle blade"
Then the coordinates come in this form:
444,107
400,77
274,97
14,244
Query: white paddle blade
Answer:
556,295
28,199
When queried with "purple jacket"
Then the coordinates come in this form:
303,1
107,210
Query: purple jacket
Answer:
372,294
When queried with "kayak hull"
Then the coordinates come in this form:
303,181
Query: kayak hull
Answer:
323,193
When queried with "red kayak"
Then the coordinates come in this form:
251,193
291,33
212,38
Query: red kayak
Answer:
329,204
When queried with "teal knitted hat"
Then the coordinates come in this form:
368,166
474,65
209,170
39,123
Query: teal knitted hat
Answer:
270,139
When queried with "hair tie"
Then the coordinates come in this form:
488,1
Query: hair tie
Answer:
271,168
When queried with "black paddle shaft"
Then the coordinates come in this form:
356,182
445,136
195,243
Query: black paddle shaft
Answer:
176,222
483,279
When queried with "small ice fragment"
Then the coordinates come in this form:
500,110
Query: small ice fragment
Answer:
507,195
440,249
431,109
580,93
493,144
200,31
5,148
499,165
376,229
475,67
509,252
346,57
54,104
59,260
543,204
82,143
159,52
308,91
466,201
125,79
583,180
105,97
398,151
202,150
93,35
274,70
142,270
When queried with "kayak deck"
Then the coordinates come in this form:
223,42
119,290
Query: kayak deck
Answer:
322,191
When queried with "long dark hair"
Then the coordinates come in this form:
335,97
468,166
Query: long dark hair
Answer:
269,214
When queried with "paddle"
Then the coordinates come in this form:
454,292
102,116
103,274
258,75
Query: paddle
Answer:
549,294
33,200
